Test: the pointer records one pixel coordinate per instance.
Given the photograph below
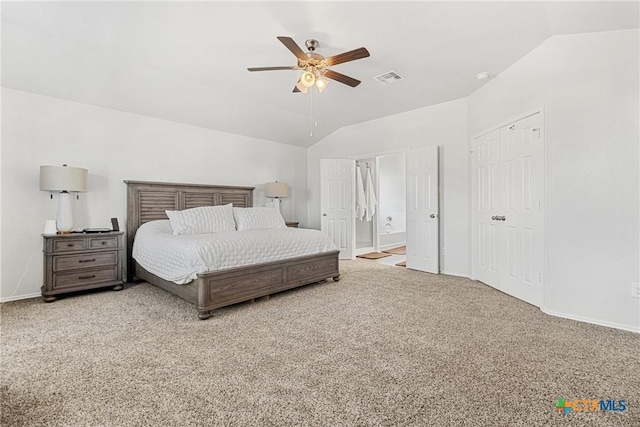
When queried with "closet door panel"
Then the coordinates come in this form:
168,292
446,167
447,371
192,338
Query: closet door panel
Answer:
521,171
487,203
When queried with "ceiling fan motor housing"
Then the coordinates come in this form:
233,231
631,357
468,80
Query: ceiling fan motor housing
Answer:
311,44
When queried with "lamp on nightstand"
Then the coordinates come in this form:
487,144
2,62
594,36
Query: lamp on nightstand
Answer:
64,179
276,191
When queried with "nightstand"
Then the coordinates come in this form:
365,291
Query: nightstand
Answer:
292,224
80,261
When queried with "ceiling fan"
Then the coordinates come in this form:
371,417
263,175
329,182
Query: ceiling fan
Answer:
315,66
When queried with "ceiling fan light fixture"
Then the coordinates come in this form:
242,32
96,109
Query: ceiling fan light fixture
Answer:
321,83
302,88
307,79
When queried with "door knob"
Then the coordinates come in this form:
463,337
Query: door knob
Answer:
432,216
324,214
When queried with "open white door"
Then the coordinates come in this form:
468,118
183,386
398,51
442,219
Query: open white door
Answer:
337,203
422,210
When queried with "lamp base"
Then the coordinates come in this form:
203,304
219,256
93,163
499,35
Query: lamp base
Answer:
64,220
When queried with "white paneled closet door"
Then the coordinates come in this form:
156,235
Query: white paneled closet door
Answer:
488,207
508,204
521,217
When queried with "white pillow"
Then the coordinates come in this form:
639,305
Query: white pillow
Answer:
258,218
206,219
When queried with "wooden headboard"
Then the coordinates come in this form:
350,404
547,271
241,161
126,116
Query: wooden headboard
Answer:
148,201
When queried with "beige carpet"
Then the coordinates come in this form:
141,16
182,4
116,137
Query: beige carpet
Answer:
384,346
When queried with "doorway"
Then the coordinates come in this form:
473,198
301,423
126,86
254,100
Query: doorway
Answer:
366,214
407,208
392,208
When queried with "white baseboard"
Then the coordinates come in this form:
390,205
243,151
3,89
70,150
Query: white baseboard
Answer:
451,273
592,321
391,246
19,297
365,250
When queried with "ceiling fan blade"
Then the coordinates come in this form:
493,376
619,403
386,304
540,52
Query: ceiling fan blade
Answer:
271,68
352,55
349,81
293,47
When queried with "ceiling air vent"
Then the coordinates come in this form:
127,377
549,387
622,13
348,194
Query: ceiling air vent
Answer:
388,78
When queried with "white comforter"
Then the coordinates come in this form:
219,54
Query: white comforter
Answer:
181,258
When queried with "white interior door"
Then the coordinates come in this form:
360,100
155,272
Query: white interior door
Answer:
487,204
337,203
422,210
507,201
521,217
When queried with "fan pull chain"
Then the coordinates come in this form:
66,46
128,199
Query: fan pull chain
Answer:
311,127
315,109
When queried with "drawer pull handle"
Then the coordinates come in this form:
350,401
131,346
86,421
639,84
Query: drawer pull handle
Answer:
70,245
86,260
104,243
87,277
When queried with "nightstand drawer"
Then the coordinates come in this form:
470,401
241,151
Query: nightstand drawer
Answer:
88,277
103,242
88,260
65,245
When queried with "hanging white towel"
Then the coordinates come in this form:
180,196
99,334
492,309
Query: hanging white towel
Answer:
361,200
370,195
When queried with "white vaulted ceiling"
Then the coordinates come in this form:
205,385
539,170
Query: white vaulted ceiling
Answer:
186,61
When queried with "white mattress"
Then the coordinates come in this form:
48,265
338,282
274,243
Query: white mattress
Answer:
181,258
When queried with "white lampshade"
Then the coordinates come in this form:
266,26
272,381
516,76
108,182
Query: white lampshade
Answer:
63,178
307,79
321,83
302,88
276,189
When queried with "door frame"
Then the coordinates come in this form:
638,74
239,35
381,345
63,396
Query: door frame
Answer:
473,250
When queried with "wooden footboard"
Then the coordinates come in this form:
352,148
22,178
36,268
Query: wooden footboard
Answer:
222,288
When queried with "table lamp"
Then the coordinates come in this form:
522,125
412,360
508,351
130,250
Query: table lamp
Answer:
276,191
66,180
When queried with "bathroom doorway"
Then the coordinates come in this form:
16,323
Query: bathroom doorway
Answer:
392,207
366,225
380,225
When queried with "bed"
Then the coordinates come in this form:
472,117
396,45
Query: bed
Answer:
148,201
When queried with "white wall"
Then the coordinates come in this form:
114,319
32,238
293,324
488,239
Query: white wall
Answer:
114,146
392,183
588,84
444,125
